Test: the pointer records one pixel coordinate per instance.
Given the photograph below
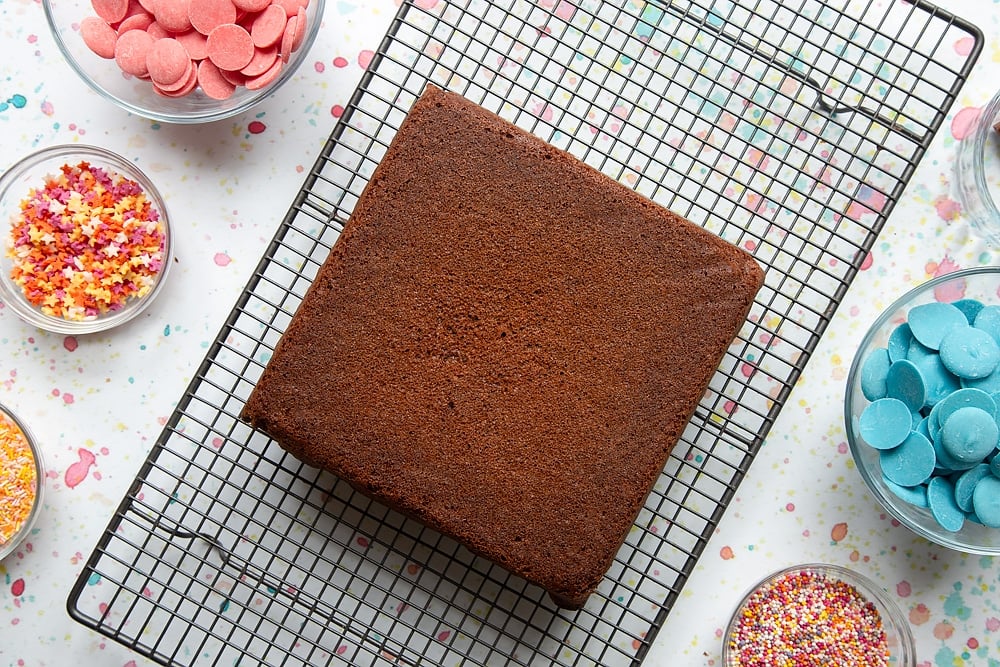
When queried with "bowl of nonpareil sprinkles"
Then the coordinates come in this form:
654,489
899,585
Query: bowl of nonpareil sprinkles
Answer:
817,615
87,239
21,475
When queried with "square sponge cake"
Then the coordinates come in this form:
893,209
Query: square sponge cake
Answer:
504,344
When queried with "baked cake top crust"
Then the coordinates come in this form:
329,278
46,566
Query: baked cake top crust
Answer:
504,344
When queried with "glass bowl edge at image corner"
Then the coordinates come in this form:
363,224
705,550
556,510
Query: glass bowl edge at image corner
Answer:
31,520
186,110
971,182
55,156
973,538
899,634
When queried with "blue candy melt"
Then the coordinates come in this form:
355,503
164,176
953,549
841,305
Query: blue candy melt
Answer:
911,463
969,434
986,501
969,352
929,322
899,341
905,382
965,398
885,423
970,308
941,502
874,370
939,382
990,384
965,485
915,495
988,320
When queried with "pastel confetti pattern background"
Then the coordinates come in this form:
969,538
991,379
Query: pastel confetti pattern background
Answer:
96,403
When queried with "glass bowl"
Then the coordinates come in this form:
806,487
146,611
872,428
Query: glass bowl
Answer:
106,76
783,614
22,476
908,503
977,171
79,274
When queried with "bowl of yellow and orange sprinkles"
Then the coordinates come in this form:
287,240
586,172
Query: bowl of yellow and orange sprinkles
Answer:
87,241
21,482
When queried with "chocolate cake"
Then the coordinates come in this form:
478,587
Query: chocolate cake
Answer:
504,344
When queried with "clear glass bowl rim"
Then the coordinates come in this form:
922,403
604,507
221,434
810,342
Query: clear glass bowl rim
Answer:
890,504
36,508
894,622
10,293
207,116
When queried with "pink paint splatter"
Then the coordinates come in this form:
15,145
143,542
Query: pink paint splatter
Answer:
47,108
947,208
944,630
336,111
77,472
866,263
903,589
67,398
363,542
17,588
790,507
443,636
747,369
963,46
320,66
992,624
729,407
222,259
256,127
70,343
365,58
964,121
426,4
543,111
726,553
839,532
340,61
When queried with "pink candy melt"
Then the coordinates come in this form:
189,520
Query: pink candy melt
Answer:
247,42
230,47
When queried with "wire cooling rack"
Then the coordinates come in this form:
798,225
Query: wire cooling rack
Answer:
787,128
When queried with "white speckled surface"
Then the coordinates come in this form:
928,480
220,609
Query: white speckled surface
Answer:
97,402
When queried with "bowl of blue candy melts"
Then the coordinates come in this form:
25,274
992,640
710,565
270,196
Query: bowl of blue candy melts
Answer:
922,410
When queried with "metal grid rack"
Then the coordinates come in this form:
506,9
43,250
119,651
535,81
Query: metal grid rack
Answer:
787,128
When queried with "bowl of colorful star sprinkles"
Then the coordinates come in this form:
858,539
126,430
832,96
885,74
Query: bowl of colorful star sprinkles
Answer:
922,410
817,614
86,242
185,61
21,482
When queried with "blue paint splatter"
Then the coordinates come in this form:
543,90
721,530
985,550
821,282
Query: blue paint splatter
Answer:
954,606
94,579
16,100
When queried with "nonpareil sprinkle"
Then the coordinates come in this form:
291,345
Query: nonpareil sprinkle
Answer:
18,479
806,619
85,243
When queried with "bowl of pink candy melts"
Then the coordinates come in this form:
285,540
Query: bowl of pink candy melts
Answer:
922,410
184,61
